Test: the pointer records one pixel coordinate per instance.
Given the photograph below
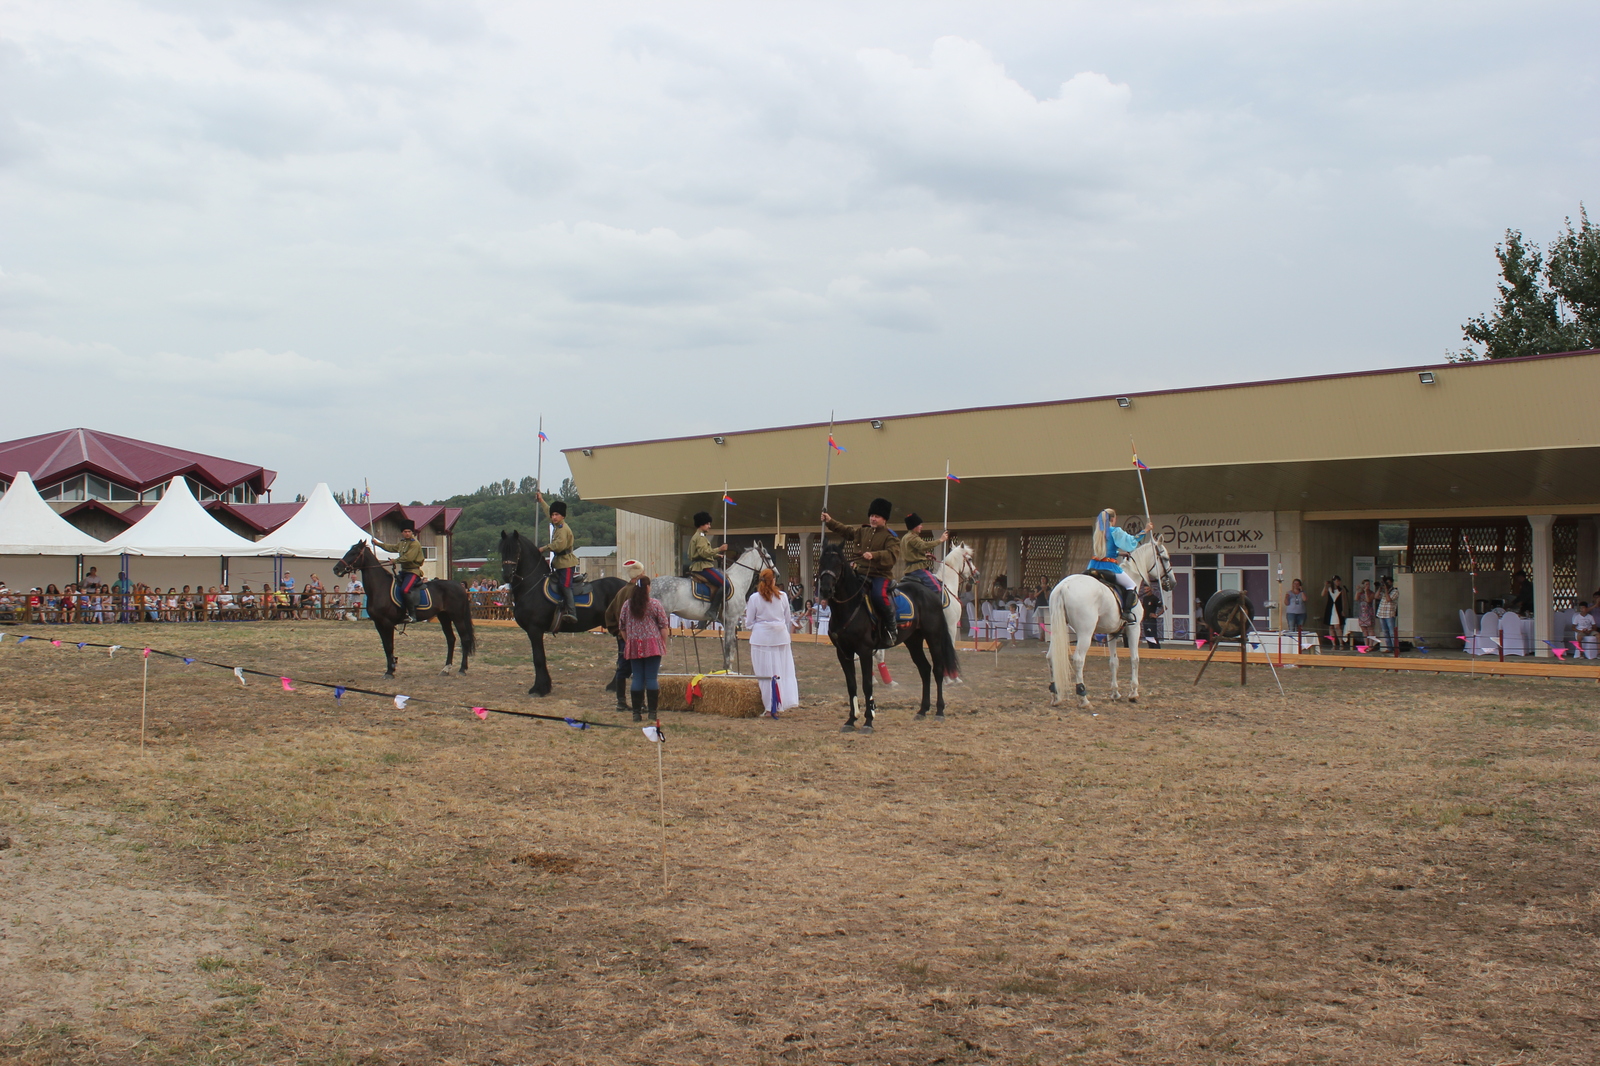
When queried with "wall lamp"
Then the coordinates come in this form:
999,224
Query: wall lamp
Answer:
1426,377
877,423
1123,401
719,440
588,451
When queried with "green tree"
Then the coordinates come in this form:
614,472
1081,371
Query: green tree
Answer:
1544,303
511,505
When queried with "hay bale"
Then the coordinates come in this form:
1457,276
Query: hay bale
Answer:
731,697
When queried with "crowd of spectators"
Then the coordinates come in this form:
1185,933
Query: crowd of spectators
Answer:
94,602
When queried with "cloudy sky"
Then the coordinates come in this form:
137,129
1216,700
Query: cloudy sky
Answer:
377,238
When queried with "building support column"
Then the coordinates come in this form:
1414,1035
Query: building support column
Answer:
806,542
1013,560
1544,604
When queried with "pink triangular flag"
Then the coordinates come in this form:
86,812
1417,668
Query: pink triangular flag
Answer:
481,712
1560,653
1363,648
147,653
1199,644
287,687
56,643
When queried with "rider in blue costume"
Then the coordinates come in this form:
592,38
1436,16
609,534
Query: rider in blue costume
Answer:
1109,539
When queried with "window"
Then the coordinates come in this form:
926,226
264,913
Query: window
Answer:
123,494
153,495
69,490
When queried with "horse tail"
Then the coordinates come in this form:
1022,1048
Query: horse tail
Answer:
952,667
469,638
1058,639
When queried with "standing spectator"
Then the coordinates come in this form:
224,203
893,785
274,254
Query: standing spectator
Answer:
1154,608
92,578
1367,610
1388,613
1335,609
1294,607
768,616
633,570
644,630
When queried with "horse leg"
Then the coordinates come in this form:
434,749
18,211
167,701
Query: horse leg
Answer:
1079,655
449,642
541,670
1111,647
866,691
1133,673
920,658
386,634
847,661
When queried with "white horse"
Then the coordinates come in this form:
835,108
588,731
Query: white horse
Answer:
677,596
1086,605
956,567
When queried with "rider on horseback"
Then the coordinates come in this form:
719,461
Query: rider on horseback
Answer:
561,541
918,553
1109,539
703,563
408,582
875,548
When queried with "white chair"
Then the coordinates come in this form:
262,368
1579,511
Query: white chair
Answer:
1512,637
1488,640
1469,630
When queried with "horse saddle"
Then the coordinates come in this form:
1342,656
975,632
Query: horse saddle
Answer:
424,596
699,588
1108,579
582,594
905,612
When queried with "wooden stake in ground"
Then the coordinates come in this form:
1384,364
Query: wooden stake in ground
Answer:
661,795
144,698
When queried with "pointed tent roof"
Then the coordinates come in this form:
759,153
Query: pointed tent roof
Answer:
138,464
179,526
29,526
319,530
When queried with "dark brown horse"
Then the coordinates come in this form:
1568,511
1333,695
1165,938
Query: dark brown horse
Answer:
525,569
853,633
449,604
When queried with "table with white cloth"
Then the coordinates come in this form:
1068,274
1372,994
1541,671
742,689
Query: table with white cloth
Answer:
771,656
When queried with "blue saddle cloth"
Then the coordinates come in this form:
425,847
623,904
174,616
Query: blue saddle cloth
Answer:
700,589
904,611
424,597
581,597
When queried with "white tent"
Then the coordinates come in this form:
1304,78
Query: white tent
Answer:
178,526
319,530
29,526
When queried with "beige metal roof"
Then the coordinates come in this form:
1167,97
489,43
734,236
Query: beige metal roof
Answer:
1520,436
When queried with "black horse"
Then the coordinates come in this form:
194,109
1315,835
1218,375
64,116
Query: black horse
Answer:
852,632
524,569
450,605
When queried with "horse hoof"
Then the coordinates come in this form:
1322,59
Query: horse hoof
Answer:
535,692
921,715
1133,699
388,677
865,730
1082,691
938,715
446,672
1052,688
847,728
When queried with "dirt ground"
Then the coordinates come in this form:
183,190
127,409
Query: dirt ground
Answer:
1377,869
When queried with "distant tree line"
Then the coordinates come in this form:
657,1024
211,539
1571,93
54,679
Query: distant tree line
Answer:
511,505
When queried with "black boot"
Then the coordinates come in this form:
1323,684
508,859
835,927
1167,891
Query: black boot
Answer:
888,628
413,599
1130,599
569,610
652,700
621,682
638,705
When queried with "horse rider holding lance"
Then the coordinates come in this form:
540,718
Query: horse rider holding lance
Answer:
918,553
408,582
1109,540
875,548
703,563
561,542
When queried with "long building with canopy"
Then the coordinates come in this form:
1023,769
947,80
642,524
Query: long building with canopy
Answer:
1450,477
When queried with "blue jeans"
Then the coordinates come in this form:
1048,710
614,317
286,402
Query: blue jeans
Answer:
644,673
1296,621
1389,632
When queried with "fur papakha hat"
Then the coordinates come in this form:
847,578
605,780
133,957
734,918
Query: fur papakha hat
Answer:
880,507
702,518
632,569
558,507
913,520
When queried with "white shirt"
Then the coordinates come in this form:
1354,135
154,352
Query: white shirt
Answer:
768,622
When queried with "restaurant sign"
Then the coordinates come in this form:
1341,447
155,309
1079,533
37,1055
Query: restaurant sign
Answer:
1240,531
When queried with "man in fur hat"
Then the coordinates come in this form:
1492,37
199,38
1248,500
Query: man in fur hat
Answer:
561,542
872,549
408,582
918,553
703,563
633,570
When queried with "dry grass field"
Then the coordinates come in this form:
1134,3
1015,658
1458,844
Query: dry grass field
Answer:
1376,870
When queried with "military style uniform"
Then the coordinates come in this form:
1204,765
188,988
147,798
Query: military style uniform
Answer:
410,578
878,570
704,564
561,543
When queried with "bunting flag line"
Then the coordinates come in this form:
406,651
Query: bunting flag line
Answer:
835,444
289,684
111,652
55,644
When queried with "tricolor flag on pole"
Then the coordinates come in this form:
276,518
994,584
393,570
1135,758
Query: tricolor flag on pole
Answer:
835,444
729,500
543,437
1137,463
952,477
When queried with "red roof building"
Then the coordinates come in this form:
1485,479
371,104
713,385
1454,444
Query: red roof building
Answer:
86,464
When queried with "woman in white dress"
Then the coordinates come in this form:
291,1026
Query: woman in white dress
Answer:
767,615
